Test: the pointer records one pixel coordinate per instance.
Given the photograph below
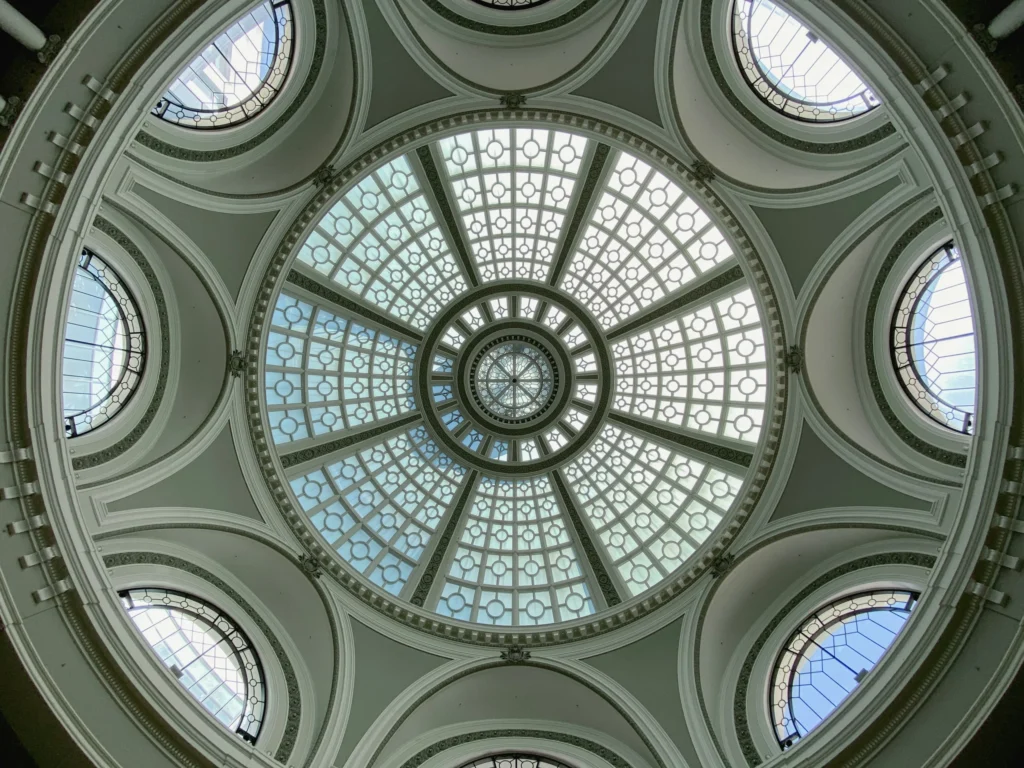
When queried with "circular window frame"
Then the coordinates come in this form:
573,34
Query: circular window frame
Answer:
631,609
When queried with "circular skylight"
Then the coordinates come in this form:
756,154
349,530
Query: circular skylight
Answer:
933,341
237,75
794,71
515,376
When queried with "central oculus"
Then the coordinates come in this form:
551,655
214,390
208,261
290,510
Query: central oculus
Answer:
514,379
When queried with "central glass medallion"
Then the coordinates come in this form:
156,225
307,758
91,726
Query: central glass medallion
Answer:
513,379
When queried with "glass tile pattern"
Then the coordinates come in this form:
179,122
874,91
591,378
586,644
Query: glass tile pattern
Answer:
208,653
237,75
831,653
104,347
792,69
933,341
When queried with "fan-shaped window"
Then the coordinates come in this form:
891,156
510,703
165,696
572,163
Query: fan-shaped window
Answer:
789,67
831,653
933,342
515,761
510,5
104,347
208,653
237,75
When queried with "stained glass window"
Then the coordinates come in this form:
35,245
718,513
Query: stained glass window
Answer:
515,563
830,655
237,75
378,508
792,69
104,347
933,341
327,373
208,653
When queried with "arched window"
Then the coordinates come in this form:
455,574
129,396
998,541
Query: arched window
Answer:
829,655
511,5
514,761
933,343
104,347
237,75
208,653
791,69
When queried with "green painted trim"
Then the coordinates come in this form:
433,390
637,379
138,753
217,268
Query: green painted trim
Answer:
499,29
951,458
571,509
382,430
682,440
206,156
821,148
718,282
291,731
341,302
584,201
419,597
425,754
739,709
112,452
447,214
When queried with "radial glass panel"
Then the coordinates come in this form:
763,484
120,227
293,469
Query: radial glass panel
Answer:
933,341
488,385
513,187
378,508
208,653
237,75
645,238
515,563
830,655
792,69
382,243
104,347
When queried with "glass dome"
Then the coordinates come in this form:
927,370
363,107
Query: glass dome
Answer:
237,75
933,341
791,69
104,347
510,389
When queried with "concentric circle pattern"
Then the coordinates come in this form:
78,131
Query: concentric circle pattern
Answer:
515,376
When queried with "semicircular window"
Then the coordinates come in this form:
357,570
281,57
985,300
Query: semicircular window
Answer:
237,75
510,5
514,761
793,70
829,655
104,347
208,653
933,344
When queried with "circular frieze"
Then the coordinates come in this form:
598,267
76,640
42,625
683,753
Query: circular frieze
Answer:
532,411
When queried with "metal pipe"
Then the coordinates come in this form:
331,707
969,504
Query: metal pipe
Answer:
20,28
1009,20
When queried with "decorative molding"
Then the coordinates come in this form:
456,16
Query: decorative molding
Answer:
291,731
680,439
237,363
613,758
795,359
595,173
499,29
933,452
632,610
92,460
447,214
515,654
739,710
513,100
207,156
303,455
816,147
722,564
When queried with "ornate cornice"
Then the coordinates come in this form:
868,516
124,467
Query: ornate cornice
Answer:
631,611
91,460
291,730
206,156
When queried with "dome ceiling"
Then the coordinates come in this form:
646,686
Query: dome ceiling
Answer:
468,373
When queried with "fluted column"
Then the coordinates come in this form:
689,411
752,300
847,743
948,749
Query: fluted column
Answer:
20,28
